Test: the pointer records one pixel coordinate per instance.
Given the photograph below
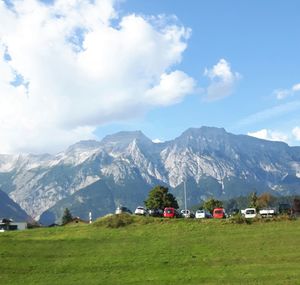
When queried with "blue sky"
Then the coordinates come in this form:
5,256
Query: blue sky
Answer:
91,69
259,39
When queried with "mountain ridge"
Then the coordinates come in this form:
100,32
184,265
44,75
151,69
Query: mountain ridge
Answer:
11,210
128,164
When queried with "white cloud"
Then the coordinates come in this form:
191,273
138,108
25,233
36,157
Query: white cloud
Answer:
296,87
171,89
282,93
222,81
157,141
261,134
285,93
296,133
269,135
74,70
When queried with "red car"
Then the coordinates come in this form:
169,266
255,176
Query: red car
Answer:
219,213
170,213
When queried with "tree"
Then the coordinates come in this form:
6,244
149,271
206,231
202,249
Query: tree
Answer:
296,206
67,216
265,200
160,198
211,204
253,200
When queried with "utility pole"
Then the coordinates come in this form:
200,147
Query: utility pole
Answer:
90,217
184,188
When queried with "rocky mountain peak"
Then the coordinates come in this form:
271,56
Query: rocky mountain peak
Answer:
204,131
84,145
202,139
121,140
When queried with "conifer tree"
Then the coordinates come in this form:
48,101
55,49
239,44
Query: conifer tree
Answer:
67,216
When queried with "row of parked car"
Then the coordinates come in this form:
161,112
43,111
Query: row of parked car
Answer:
169,212
217,213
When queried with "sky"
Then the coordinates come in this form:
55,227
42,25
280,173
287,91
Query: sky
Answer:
82,69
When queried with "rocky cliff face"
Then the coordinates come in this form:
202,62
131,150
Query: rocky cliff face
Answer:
11,210
123,167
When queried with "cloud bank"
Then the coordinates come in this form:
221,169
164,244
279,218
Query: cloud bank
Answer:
269,135
288,136
71,66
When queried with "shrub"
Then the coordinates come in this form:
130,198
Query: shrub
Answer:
285,217
115,221
239,219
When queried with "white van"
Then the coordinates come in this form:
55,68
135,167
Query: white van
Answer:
249,213
203,214
267,213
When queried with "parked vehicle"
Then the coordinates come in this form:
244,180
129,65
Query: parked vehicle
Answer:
219,213
284,208
171,213
187,214
140,211
234,212
267,213
203,214
155,212
121,210
249,213
7,225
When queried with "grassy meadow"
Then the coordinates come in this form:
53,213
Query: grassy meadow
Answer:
154,251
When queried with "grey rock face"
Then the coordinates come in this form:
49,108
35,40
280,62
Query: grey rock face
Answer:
10,210
128,164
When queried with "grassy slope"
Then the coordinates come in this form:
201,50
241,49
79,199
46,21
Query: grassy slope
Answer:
164,252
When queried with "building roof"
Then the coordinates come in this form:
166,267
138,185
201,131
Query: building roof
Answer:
76,220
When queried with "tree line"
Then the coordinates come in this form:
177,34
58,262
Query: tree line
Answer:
159,198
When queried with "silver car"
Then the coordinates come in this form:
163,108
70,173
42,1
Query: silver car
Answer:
140,211
187,214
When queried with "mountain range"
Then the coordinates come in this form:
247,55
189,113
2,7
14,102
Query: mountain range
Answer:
123,167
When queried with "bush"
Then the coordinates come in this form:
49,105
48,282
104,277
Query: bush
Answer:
123,220
284,217
115,221
239,219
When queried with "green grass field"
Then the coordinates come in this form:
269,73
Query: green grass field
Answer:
154,251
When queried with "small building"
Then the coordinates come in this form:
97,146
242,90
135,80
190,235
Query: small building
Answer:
76,221
20,225
9,225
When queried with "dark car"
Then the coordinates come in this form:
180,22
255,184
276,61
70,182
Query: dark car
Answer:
234,212
122,209
155,212
284,208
